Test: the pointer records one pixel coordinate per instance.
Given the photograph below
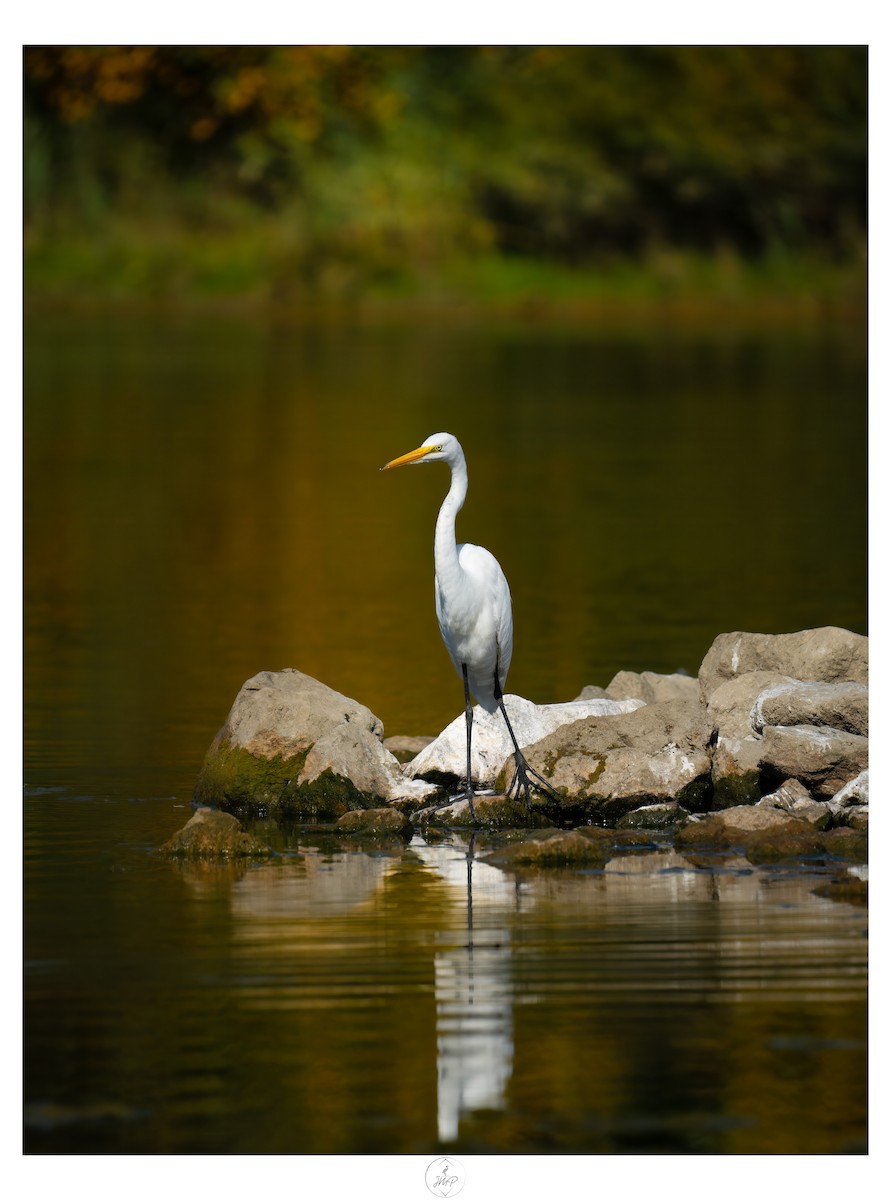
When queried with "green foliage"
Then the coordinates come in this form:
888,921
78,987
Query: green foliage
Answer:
326,168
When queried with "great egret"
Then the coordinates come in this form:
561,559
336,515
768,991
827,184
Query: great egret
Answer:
473,608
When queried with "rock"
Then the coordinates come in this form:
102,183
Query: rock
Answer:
822,759
828,655
854,792
374,822
652,688
793,843
592,691
845,890
766,834
794,799
850,804
854,817
769,835
214,834
738,708
562,848
291,744
405,748
491,812
605,767
852,844
839,705
444,760
748,818
655,816
736,748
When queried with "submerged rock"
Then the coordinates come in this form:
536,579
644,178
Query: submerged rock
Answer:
655,816
214,834
560,848
847,889
291,744
491,812
374,822
768,834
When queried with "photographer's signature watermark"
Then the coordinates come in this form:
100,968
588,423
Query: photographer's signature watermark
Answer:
445,1177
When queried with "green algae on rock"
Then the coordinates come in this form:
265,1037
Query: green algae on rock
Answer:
374,822
291,744
214,834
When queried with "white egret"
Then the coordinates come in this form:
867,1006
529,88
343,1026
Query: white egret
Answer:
473,608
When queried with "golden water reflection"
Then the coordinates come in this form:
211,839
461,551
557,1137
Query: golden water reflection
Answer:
745,966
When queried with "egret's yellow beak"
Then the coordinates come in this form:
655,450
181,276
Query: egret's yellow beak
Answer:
412,457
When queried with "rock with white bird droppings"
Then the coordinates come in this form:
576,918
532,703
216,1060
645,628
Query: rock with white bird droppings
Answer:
735,745
843,705
604,767
445,759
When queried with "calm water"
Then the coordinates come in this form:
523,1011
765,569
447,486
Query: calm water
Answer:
203,502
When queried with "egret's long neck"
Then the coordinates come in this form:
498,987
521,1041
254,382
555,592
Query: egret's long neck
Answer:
445,552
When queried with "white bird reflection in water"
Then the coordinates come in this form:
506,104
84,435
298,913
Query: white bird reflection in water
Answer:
353,930
474,990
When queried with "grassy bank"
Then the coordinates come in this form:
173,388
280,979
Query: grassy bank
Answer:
269,265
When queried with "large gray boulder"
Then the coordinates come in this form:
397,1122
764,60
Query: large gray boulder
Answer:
291,744
445,759
827,655
648,686
821,759
652,687
752,683
605,767
735,745
793,702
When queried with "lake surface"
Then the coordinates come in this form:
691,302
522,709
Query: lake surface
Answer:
203,501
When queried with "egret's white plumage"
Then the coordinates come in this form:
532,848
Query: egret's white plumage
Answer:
473,604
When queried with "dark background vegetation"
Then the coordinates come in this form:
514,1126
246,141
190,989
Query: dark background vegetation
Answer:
299,171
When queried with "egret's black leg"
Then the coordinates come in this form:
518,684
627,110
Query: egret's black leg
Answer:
468,717
522,770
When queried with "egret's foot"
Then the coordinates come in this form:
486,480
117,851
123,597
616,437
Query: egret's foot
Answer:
526,778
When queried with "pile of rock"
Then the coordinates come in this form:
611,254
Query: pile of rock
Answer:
775,720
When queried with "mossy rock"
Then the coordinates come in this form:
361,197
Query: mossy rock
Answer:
770,846
235,780
490,812
375,822
731,790
560,848
844,842
846,891
214,834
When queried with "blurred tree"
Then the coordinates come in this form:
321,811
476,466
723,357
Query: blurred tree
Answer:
563,153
